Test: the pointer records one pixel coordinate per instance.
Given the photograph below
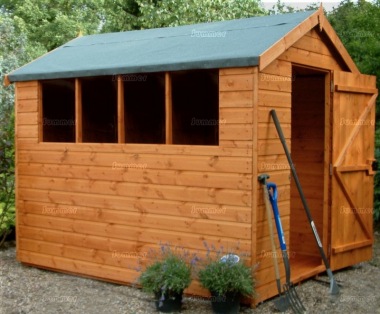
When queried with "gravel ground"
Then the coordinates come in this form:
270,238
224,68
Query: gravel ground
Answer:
26,289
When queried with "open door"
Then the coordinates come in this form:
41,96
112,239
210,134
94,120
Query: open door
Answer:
353,131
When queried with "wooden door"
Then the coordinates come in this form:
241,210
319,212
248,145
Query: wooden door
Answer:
353,131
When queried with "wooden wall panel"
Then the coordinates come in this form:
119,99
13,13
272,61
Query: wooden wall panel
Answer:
169,221
138,149
236,115
151,191
73,266
275,82
236,82
89,232
309,58
269,98
27,90
239,181
26,105
236,144
233,131
311,50
274,92
236,104
27,118
79,202
27,131
140,161
239,99
26,113
190,209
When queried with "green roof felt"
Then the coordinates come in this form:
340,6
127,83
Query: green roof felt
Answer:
234,43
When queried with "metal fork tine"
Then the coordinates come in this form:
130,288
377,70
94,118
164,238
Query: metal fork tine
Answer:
294,299
294,306
292,303
297,299
297,305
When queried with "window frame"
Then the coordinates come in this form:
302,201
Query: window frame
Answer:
120,109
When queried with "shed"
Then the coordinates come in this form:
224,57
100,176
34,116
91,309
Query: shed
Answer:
127,139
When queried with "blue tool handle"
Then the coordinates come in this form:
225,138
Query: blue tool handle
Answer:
273,195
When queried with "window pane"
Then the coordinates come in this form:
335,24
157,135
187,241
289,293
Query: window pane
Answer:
144,101
58,110
99,109
195,107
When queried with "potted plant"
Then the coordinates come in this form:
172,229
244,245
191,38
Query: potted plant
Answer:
166,278
228,279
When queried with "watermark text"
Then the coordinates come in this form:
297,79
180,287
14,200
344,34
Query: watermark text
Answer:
359,210
276,78
130,78
118,165
60,210
274,166
118,254
207,122
270,254
353,122
207,34
207,210
208,299
59,122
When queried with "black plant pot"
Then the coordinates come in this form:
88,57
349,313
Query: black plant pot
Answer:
172,302
225,304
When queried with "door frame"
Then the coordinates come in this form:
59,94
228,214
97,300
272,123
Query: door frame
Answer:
327,165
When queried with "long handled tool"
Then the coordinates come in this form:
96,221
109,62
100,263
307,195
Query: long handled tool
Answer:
281,303
334,289
290,291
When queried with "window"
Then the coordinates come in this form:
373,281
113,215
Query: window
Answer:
195,103
99,109
151,108
144,107
58,110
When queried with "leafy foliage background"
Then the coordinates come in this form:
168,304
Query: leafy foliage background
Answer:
30,28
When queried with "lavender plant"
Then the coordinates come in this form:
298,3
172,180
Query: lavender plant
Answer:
226,274
170,272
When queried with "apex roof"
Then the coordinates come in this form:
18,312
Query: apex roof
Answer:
234,43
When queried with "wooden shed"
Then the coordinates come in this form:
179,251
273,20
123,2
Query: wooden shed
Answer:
127,139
